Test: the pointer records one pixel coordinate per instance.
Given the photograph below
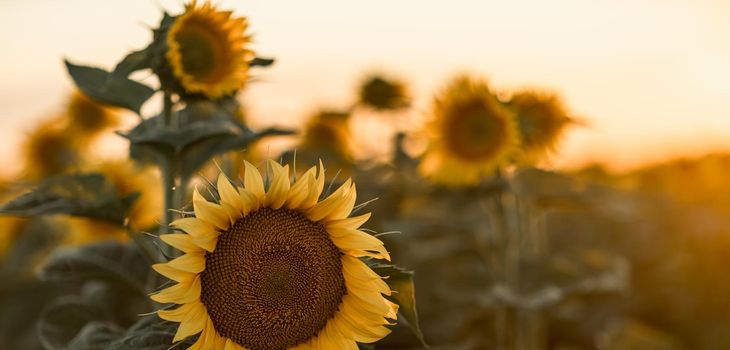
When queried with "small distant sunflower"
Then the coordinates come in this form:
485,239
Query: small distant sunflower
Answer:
51,150
207,50
276,268
471,134
542,120
88,117
328,132
382,93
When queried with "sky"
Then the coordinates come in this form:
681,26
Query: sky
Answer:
651,78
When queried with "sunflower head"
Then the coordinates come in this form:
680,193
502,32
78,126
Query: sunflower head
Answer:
88,117
542,119
51,150
327,132
276,268
471,134
207,51
382,93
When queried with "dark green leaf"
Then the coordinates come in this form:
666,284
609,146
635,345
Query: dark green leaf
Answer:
62,321
113,89
96,335
206,130
261,62
149,333
133,62
105,261
401,282
87,195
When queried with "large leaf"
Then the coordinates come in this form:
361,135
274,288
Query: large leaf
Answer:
113,89
63,320
149,333
134,61
105,261
401,282
87,195
204,132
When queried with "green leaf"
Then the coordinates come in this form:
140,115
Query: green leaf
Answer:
113,89
133,62
401,282
63,320
109,261
206,130
87,195
150,333
96,335
261,62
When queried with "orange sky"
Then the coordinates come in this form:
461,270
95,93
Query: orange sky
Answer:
652,77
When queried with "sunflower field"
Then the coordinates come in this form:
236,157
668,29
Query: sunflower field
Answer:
213,234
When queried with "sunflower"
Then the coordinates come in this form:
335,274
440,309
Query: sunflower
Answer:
382,93
88,117
50,150
471,134
206,49
276,268
542,120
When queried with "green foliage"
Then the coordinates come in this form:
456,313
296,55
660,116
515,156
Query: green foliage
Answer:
401,282
196,141
120,264
87,195
112,89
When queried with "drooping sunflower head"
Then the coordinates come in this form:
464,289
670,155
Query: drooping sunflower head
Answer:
542,120
87,118
276,268
471,134
207,50
382,93
51,150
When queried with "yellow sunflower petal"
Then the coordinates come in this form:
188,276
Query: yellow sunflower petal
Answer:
173,273
209,212
348,223
330,204
229,196
191,262
300,190
194,226
279,189
192,323
181,293
316,190
249,200
180,241
177,314
253,182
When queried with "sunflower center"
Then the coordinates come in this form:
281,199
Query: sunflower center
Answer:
274,280
202,51
474,132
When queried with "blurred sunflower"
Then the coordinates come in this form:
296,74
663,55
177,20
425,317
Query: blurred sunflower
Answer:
471,134
10,226
382,93
51,150
542,119
87,117
206,50
327,132
128,178
276,268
